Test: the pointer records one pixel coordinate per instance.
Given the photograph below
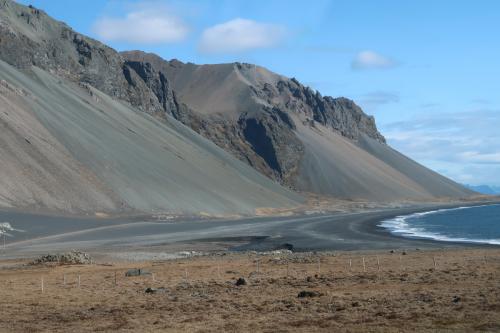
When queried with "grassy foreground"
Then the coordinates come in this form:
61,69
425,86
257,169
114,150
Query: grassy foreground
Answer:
425,291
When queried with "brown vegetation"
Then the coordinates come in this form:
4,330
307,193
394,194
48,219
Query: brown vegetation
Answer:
408,293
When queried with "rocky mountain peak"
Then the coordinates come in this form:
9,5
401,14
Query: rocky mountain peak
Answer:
32,38
249,110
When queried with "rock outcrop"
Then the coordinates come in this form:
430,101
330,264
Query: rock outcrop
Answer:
29,37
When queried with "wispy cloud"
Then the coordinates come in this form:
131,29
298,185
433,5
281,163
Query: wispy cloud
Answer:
149,23
372,60
240,35
370,102
462,145
478,157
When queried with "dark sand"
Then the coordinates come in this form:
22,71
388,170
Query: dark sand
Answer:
341,231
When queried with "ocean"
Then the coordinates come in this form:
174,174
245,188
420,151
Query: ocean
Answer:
478,224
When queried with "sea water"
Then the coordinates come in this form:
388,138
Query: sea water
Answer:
478,224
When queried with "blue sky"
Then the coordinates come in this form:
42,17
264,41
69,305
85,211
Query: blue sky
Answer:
429,71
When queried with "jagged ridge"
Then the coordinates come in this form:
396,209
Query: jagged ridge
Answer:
256,128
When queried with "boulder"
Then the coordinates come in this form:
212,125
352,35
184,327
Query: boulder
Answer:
241,282
137,272
308,293
150,290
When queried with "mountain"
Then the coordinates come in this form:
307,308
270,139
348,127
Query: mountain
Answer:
292,134
86,129
484,189
70,141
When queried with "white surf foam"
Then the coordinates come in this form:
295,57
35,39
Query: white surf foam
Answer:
399,226
5,227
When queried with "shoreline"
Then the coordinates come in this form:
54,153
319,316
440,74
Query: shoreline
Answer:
352,231
400,227
373,226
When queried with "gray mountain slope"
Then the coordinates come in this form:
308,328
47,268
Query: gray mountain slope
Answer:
76,149
312,143
434,183
335,165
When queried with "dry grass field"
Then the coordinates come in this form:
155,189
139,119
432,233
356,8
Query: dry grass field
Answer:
425,291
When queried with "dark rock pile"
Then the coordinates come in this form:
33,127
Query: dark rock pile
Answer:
69,258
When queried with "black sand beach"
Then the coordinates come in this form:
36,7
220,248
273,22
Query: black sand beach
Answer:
329,232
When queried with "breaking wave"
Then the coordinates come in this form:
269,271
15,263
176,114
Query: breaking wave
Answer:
402,226
5,228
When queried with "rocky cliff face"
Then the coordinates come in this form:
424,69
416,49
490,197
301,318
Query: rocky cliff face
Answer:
263,134
340,114
29,37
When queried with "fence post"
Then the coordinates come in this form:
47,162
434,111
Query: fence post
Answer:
378,264
364,265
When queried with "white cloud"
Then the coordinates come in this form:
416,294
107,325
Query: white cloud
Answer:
148,24
371,60
478,157
240,35
463,145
